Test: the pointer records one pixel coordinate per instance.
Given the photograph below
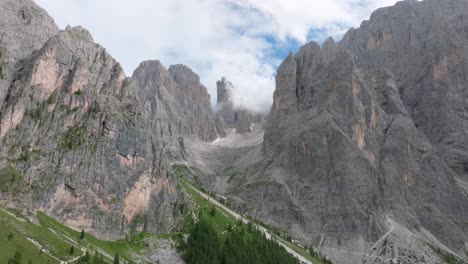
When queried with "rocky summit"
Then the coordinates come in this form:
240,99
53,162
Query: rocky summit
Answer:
92,146
367,137
363,156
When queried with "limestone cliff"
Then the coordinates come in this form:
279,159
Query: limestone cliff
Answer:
365,146
83,142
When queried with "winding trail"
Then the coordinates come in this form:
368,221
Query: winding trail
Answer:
13,215
267,233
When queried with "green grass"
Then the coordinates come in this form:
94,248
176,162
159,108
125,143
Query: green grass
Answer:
73,138
122,247
21,230
11,180
39,113
79,93
57,239
299,249
280,237
222,220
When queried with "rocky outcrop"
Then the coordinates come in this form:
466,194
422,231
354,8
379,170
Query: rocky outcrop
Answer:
367,139
84,143
427,44
174,101
196,103
231,115
364,153
24,28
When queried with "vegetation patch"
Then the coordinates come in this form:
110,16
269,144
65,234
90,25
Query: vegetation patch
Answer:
223,223
241,244
39,113
29,243
79,93
184,171
52,97
446,256
28,154
73,138
11,180
67,109
123,248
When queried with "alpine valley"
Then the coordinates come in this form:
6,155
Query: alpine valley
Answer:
363,157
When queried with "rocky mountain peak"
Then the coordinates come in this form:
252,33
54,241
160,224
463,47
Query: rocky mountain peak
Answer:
362,112
230,115
225,91
24,28
364,154
184,75
190,84
79,33
93,138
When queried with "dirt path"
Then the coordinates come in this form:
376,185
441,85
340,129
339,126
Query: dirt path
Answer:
13,215
44,250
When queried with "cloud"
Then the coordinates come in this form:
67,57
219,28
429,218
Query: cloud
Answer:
295,18
243,40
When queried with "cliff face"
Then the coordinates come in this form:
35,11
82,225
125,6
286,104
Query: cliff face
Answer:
24,28
232,116
364,153
82,141
369,134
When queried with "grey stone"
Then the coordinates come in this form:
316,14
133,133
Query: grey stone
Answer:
372,129
93,147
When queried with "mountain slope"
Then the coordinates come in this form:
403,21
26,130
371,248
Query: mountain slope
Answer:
86,144
368,133
364,148
364,154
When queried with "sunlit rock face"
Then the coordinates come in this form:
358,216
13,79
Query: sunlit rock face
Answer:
89,145
368,135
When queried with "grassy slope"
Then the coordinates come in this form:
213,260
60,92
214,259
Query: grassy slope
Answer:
220,220
56,239
182,172
123,247
12,223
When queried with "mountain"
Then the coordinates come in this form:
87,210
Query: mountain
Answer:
25,28
368,138
231,115
363,156
83,142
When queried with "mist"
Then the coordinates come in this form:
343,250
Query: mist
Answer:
244,40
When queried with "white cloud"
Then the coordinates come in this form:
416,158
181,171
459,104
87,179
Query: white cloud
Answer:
294,18
214,37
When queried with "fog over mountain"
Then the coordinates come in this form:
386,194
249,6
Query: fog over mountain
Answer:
252,146
244,40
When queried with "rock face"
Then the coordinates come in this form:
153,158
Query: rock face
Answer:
367,139
24,28
232,116
84,143
364,155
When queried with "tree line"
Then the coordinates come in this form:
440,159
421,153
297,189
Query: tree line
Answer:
243,244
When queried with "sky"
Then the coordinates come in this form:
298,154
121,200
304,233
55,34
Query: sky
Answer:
242,40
